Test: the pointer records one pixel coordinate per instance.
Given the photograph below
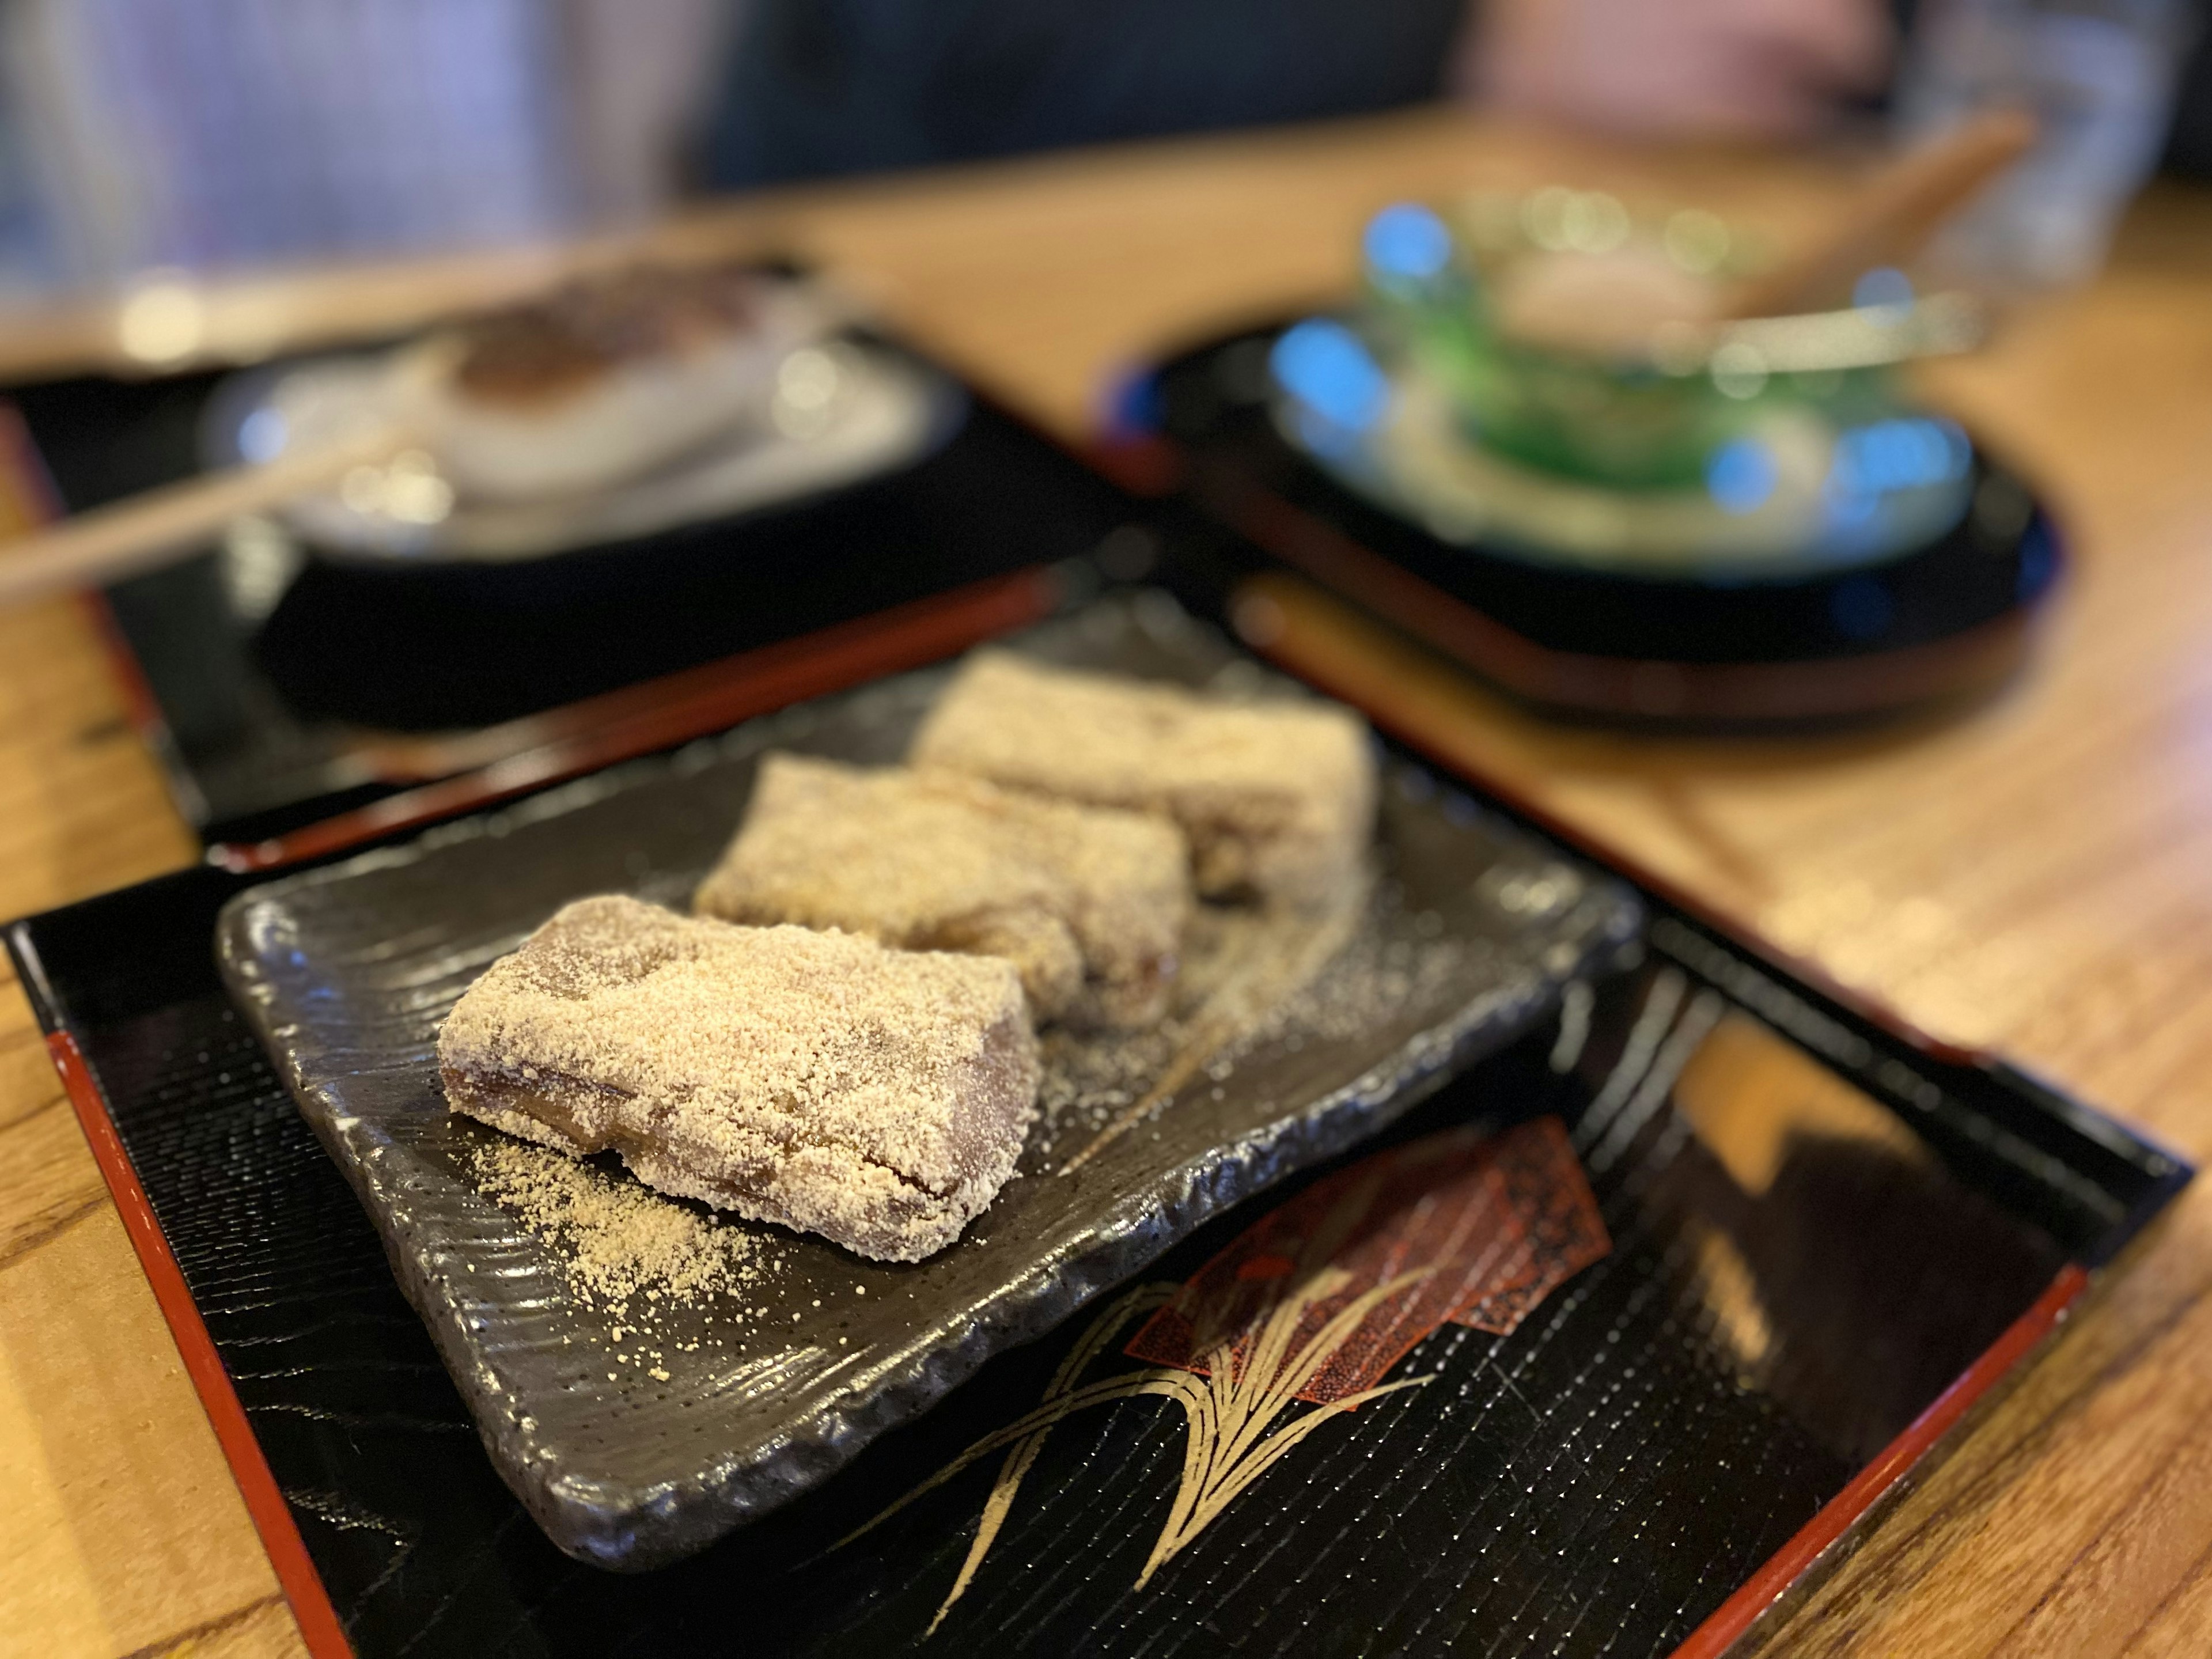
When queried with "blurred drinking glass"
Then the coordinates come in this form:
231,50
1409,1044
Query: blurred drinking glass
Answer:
2099,77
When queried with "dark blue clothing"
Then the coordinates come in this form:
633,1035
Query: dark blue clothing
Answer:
2188,140
822,86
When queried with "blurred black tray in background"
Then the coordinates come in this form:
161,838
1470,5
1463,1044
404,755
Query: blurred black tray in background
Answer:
1943,622
353,681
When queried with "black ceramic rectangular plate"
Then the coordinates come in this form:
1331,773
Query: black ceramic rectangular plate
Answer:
635,1438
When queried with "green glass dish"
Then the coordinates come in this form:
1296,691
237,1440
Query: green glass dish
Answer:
1637,419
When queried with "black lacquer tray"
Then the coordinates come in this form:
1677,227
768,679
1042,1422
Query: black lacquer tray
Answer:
1829,1241
282,694
1946,620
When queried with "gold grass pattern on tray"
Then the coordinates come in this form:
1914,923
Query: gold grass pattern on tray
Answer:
1296,1308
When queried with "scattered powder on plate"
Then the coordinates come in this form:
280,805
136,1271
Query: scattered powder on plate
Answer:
1250,976
1398,964
617,1240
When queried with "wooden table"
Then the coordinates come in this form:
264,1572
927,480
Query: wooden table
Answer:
2037,873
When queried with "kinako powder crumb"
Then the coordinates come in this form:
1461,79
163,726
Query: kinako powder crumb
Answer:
617,1240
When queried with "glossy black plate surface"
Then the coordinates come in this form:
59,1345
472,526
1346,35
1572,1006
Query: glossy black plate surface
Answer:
634,1436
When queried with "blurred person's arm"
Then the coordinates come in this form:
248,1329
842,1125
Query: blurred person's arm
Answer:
1737,69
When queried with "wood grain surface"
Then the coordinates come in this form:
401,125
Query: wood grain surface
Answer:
2035,872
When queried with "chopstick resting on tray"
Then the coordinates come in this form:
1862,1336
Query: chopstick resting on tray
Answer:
595,384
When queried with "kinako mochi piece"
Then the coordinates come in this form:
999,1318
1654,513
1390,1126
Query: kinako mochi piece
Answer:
1277,797
876,1097
603,380
1088,904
